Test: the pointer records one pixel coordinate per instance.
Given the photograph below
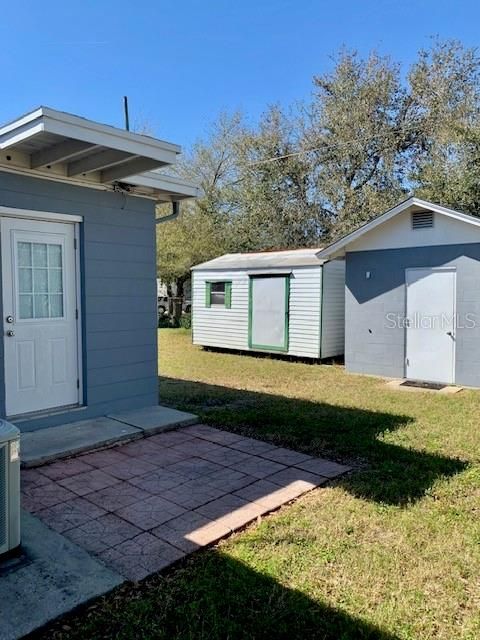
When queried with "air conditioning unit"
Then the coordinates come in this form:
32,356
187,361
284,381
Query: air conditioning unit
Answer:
9,487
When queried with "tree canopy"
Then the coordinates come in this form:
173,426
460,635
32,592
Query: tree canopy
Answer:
369,134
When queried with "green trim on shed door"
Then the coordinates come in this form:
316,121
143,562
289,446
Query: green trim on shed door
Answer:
208,294
228,294
264,347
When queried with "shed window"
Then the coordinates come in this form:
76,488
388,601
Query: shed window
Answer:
218,294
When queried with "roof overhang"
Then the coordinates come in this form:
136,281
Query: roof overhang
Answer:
338,248
60,145
164,187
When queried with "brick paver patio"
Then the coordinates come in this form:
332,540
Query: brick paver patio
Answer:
143,505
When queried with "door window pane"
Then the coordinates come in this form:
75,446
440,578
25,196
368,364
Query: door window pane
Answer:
40,305
26,306
25,280
54,255
55,284
39,254
25,254
40,280
56,306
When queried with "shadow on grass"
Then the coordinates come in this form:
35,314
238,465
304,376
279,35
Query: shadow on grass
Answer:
338,360
392,474
211,596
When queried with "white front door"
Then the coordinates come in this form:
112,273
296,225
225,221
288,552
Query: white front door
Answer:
269,312
39,315
431,327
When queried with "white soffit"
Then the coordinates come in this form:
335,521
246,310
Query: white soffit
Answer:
59,145
338,248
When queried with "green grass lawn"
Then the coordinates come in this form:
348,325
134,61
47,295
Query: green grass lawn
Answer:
390,552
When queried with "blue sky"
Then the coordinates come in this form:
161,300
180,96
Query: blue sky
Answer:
182,62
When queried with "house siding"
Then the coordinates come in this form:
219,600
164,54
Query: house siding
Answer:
118,274
371,345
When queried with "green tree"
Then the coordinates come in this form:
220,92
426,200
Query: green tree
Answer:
274,191
374,138
203,230
356,132
212,164
192,238
368,136
450,174
445,86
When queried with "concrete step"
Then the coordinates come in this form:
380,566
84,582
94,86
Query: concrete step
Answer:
54,443
155,419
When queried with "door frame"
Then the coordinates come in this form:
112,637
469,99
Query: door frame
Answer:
45,216
264,347
452,269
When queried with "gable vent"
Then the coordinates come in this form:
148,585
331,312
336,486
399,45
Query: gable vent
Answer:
422,219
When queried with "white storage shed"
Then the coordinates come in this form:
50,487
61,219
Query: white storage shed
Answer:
288,302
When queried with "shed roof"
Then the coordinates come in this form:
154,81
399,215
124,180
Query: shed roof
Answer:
61,146
263,260
413,204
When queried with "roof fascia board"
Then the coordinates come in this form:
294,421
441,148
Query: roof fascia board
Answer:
20,134
451,213
20,122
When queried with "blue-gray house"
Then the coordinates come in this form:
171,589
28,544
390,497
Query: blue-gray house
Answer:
78,267
412,297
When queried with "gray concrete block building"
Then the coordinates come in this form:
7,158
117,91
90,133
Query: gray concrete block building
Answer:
412,295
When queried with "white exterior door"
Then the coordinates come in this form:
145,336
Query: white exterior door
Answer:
269,312
39,315
431,327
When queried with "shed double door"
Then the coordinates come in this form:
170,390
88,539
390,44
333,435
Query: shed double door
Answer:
268,312
431,324
39,291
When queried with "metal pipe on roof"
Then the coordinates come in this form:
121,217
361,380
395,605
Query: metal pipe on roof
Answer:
125,109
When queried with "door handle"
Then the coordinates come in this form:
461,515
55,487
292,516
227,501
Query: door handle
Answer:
10,333
9,319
